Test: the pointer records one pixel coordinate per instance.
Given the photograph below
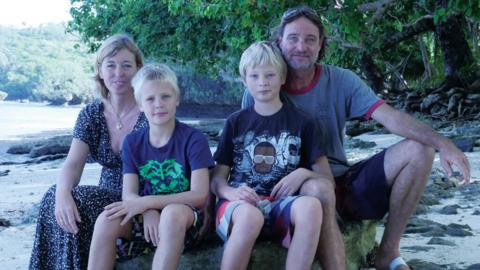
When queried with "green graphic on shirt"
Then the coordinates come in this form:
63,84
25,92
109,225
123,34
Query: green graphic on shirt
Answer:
164,177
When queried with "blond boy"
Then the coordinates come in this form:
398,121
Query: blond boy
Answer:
165,181
266,153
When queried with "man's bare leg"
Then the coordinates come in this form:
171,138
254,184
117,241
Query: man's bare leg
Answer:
331,248
407,167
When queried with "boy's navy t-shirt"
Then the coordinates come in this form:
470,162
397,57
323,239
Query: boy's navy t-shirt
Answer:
261,150
167,169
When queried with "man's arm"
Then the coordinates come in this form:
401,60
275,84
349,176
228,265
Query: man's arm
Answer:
402,124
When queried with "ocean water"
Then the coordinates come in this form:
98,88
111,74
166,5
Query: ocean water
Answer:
20,120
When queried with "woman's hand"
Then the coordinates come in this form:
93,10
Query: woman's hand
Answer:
151,220
66,212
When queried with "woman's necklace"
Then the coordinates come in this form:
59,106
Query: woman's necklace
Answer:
119,124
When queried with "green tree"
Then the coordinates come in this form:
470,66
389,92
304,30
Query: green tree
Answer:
376,38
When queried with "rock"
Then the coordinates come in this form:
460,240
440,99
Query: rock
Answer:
423,265
5,222
31,214
357,143
428,199
476,213
429,101
355,128
4,173
421,209
449,210
418,248
458,230
359,241
440,241
464,143
21,149
474,267
52,146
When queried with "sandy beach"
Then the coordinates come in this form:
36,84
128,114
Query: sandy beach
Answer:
24,185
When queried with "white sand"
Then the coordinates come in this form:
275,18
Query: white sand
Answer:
25,185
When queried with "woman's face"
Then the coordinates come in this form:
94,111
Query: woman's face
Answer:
118,70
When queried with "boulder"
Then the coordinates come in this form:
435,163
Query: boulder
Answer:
359,242
52,146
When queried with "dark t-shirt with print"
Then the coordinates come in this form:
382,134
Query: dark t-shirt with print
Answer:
166,170
261,150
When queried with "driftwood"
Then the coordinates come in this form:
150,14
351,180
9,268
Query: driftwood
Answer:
453,104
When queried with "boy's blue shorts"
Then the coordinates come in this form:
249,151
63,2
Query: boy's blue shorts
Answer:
362,192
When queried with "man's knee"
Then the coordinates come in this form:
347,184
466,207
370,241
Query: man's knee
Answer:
322,189
419,151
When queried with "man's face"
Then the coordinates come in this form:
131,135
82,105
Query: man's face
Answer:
300,44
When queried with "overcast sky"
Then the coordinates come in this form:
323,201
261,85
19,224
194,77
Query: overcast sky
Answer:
21,13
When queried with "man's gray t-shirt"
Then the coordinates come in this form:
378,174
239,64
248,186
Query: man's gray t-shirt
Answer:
333,97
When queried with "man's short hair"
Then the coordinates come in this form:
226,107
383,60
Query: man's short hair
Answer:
310,14
262,53
154,72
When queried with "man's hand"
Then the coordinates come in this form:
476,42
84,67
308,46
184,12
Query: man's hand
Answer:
243,192
289,184
451,155
66,212
128,208
151,220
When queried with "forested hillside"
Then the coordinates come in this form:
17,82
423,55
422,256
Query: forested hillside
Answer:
44,64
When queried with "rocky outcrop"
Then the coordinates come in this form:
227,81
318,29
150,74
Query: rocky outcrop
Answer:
359,240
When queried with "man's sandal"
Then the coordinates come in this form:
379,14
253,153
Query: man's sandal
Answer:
398,261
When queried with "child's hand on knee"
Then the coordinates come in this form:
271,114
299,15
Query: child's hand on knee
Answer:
151,220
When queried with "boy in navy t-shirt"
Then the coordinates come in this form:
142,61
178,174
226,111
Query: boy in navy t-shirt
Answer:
266,153
165,181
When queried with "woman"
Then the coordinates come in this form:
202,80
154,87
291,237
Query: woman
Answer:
68,211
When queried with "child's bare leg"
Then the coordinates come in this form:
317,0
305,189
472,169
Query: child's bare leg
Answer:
247,222
306,217
175,220
102,248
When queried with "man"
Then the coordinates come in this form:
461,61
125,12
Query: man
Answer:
391,181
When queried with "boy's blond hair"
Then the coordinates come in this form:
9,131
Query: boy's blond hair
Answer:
154,72
262,53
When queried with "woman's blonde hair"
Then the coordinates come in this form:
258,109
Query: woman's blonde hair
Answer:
110,47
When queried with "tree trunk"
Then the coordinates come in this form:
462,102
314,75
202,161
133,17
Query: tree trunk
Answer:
456,55
372,72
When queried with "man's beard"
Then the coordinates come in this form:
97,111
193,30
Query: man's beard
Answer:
300,66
